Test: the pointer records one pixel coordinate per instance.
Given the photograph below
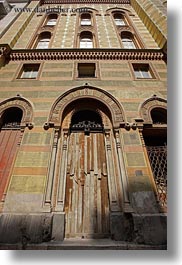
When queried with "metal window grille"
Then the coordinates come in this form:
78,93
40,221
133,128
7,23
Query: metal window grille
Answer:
158,160
11,125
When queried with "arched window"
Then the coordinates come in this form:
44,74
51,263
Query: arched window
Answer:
119,19
43,40
51,20
86,19
128,40
86,40
11,118
159,116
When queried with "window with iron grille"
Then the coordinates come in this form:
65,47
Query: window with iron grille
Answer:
156,146
158,160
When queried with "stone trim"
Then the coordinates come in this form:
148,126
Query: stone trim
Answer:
86,91
24,105
94,54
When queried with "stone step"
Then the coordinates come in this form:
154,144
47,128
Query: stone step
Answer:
84,244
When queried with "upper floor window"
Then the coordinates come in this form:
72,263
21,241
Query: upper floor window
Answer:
142,71
52,20
119,20
29,71
43,40
86,19
86,40
86,70
128,41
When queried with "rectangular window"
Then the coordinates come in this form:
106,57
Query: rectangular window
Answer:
86,70
142,71
29,71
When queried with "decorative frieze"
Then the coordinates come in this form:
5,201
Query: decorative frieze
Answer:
95,54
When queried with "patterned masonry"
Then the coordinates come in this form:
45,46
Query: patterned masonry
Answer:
83,127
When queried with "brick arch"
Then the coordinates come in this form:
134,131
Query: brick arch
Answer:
22,103
86,92
118,9
149,104
127,30
86,104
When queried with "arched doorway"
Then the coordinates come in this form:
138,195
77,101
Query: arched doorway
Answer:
15,115
87,195
87,185
9,138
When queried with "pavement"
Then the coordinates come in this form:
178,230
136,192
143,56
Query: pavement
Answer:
83,244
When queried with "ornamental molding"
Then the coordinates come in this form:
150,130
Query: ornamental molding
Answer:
85,92
95,54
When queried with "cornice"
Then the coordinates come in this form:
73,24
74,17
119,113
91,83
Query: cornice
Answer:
82,2
94,54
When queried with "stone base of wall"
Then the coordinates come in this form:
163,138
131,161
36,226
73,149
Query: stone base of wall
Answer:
149,229
23,230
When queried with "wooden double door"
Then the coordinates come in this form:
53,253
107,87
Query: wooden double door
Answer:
87,197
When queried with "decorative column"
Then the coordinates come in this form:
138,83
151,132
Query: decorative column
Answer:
62,172
51,179
114,203
124,180
58,221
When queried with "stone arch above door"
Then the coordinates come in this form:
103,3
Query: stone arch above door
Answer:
84,92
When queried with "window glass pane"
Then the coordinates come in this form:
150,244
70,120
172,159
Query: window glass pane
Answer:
142,71
86,70
43,44
146,73
34,74
30,71
138,74
86,43
26,73
128,43
85,22
119,22
51,22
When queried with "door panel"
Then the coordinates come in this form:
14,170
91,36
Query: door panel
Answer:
8,147
87,202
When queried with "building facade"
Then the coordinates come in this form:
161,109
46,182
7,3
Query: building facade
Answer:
83,124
